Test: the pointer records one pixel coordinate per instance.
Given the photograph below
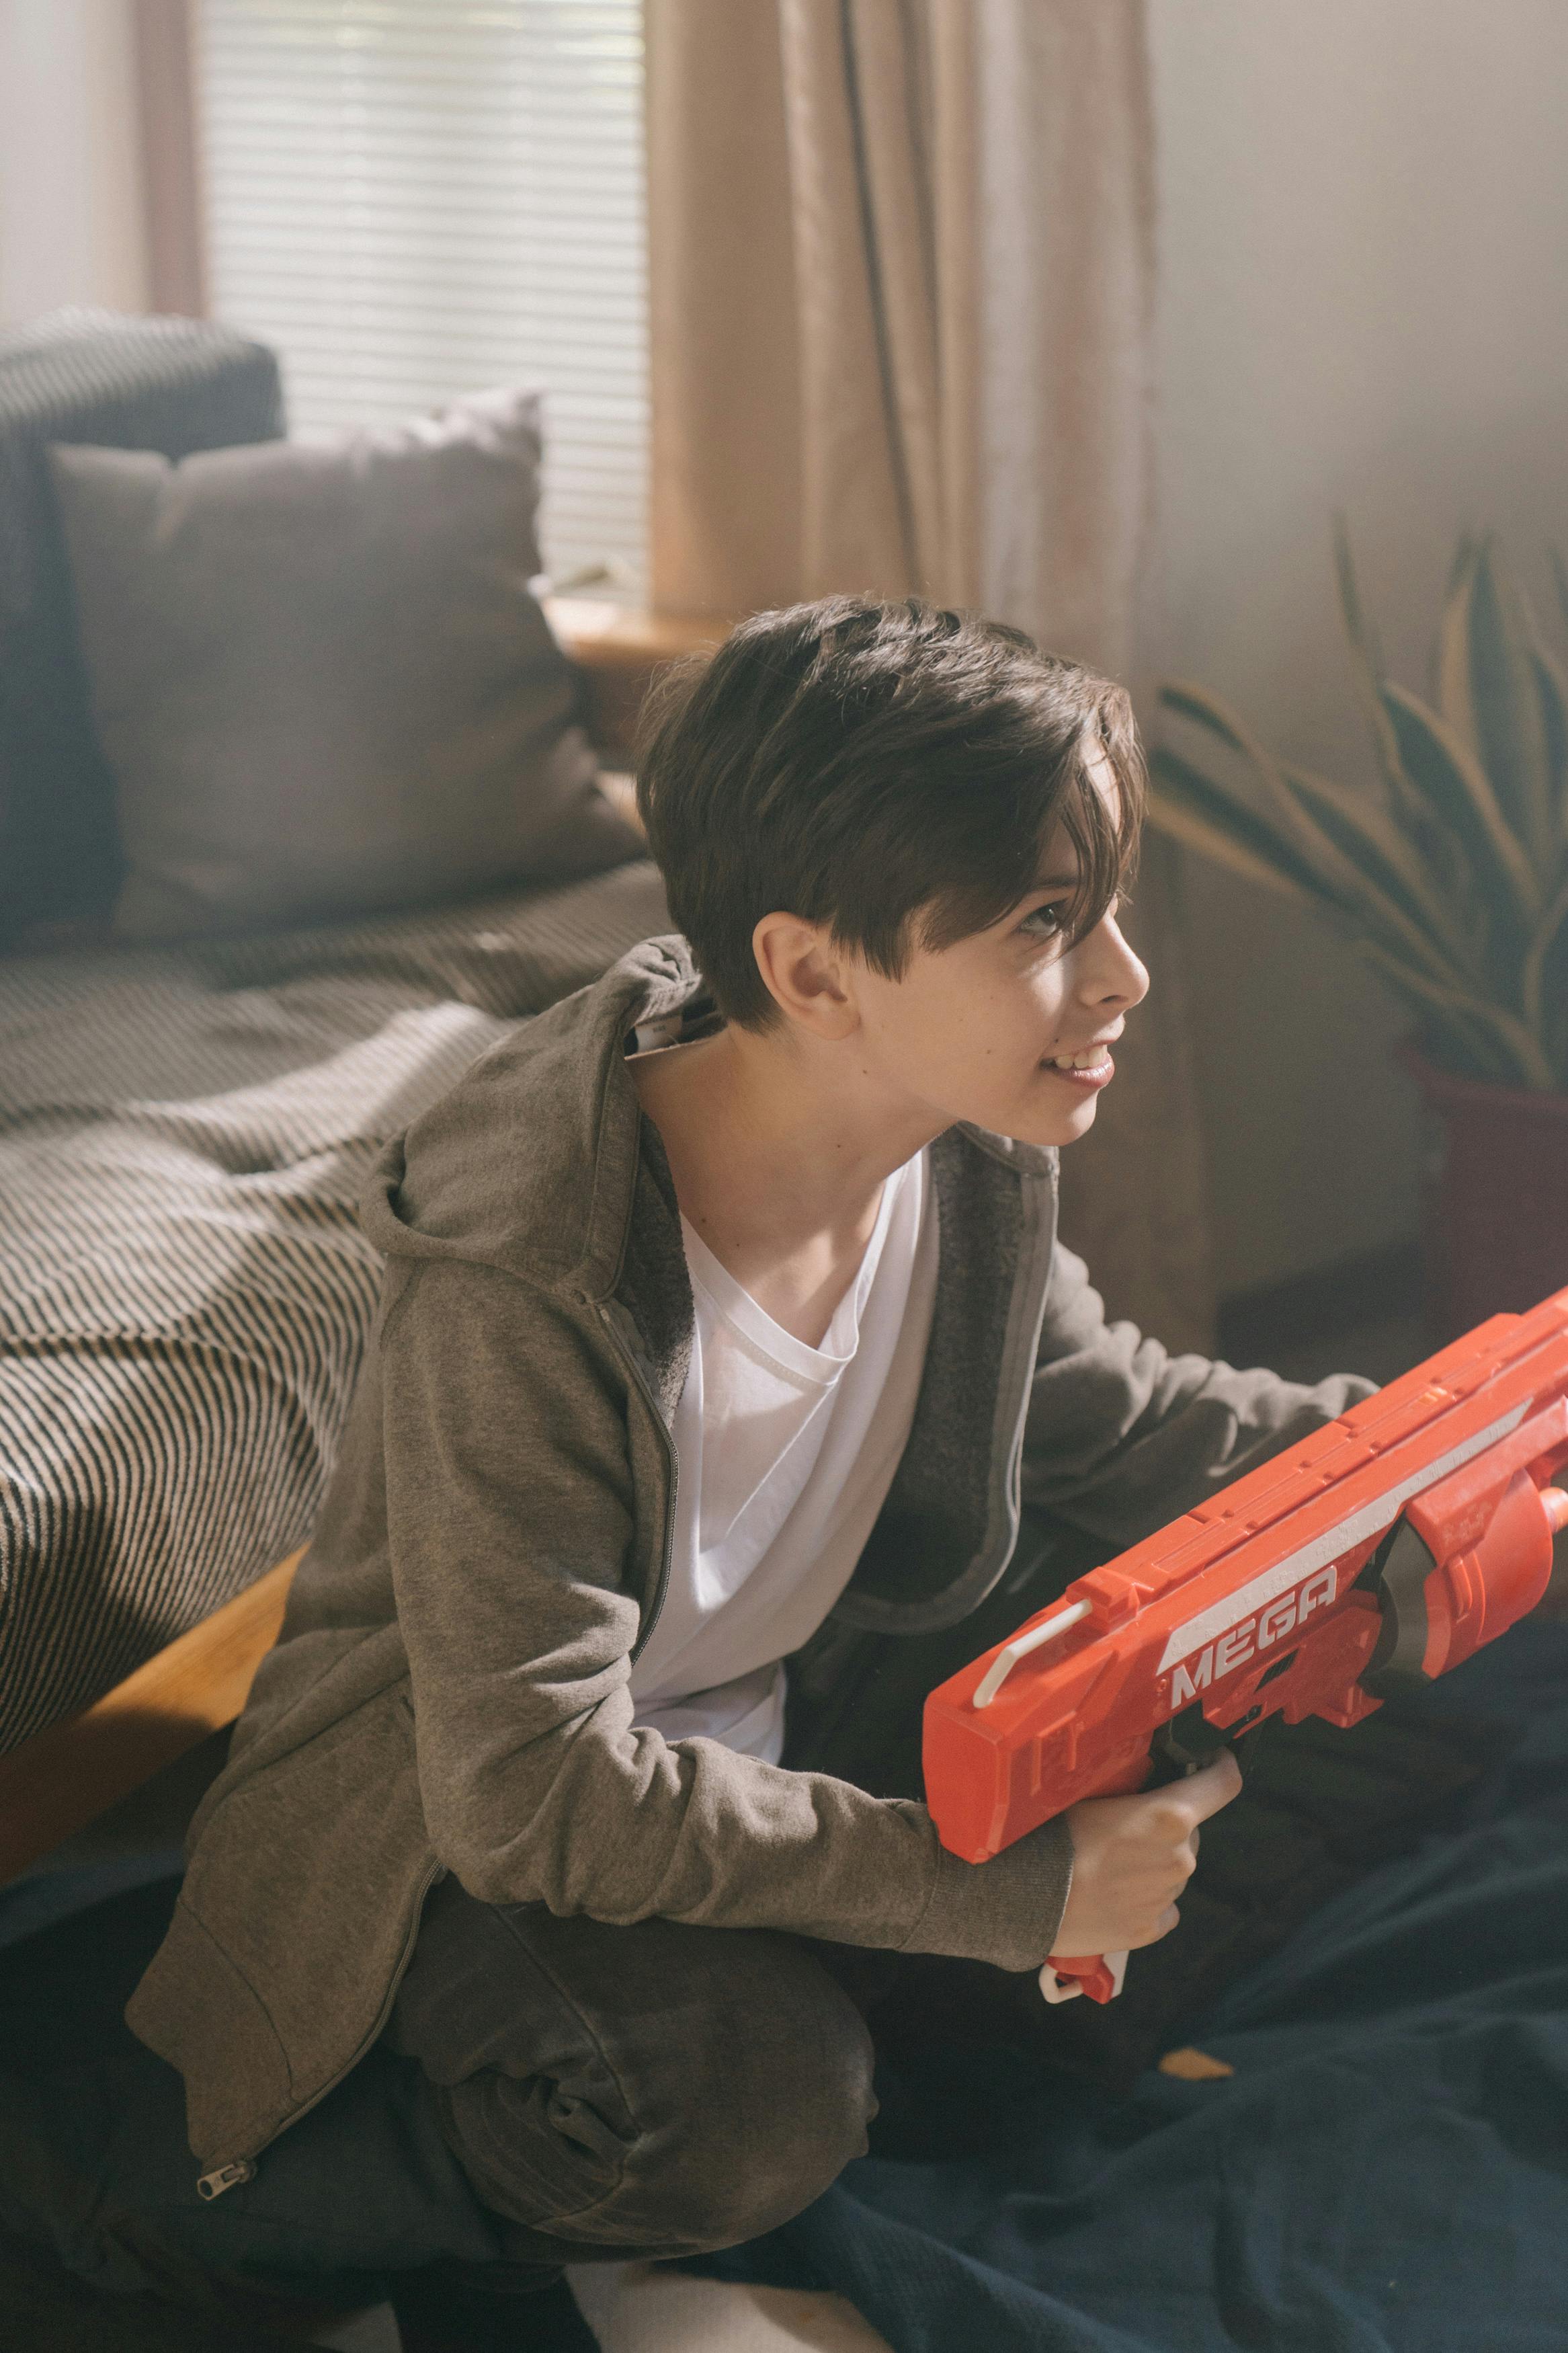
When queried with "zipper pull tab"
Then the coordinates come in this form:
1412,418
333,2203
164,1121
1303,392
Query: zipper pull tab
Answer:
225,2177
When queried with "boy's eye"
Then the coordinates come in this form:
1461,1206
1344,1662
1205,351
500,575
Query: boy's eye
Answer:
1045,923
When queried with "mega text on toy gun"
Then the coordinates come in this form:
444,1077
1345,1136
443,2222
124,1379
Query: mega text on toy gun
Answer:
1375,1554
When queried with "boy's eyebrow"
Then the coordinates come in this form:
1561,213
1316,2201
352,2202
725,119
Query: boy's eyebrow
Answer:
1054,882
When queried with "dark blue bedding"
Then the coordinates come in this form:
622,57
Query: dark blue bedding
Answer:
1386,2172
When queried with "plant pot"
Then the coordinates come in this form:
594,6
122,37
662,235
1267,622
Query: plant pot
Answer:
1494,1196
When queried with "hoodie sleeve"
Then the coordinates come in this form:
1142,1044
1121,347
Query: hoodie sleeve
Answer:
1121,1436
517,1558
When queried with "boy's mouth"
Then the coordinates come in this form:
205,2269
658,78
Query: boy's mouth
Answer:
1093,1069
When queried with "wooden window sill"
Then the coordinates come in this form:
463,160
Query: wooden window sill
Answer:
618,649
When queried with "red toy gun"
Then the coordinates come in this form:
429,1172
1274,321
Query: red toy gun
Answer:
1374,1556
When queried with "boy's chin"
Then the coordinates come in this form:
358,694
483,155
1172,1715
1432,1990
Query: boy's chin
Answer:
1071,1128
1058,1127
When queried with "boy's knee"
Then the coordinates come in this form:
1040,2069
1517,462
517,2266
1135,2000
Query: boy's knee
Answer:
774,2108
727,2104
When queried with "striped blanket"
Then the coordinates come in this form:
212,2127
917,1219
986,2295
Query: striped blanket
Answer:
184,1293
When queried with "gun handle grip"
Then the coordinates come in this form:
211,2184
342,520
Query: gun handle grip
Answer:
1099,1975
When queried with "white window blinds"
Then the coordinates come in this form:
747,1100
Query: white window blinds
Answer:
412,199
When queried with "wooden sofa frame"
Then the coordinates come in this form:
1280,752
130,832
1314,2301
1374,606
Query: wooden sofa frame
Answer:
55,1784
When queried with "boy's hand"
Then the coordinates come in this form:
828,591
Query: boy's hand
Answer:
1133,1857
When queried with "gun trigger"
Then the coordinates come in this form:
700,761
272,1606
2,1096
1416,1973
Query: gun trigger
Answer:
1404,1563
1187,1741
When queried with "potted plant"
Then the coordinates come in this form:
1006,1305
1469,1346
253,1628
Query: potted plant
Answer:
1450,880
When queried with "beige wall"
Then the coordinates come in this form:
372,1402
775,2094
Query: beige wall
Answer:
1364,304
70,205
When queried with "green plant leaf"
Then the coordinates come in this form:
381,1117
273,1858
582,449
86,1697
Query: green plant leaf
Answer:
1552,691
1391,864
1560,576
1367,668
1460,911
1358,626
1168,816
1508,725
1441,766
1291,828
1544,989
1447,1037
1453,693
1551,688
1189,805
1331,863
1510,1053
1206,711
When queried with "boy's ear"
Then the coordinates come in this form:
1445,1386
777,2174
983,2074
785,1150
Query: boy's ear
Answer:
807,975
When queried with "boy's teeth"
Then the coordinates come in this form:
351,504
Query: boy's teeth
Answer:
1089,1060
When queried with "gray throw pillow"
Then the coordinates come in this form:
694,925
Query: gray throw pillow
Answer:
320,678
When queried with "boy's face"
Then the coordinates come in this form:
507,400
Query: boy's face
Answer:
971,1031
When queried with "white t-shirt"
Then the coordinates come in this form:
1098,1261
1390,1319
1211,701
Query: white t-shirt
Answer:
786,1454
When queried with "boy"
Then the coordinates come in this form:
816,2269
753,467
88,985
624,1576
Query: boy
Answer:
723,1312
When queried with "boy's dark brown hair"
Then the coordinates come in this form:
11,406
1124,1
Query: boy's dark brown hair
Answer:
865,765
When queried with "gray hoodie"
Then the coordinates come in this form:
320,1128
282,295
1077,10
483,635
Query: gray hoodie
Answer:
449,1690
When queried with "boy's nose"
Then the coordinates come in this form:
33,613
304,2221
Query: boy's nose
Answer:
1114,974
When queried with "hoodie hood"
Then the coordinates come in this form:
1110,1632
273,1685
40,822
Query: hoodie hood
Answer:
528,1162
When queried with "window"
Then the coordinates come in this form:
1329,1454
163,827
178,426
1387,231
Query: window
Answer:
413,199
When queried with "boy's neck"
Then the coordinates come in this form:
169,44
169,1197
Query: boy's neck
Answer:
779,1149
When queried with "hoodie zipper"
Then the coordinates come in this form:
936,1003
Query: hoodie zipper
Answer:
243,2168
611,1320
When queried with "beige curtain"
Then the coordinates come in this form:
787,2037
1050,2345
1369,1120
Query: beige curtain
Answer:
165,33
812,308
901,263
